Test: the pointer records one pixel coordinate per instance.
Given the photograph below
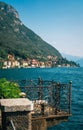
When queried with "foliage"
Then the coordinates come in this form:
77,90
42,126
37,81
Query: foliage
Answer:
64,62
9,89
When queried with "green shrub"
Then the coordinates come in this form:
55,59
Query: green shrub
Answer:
9,89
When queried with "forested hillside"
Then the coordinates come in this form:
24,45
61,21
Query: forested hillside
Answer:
17,39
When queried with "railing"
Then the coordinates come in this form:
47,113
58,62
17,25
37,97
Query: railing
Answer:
49,97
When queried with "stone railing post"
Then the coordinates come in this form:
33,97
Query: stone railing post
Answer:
16,114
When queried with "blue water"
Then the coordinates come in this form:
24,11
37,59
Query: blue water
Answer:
75,122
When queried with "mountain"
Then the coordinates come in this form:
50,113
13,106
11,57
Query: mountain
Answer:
19,40
77,59
70,57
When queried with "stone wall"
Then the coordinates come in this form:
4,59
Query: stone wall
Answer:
15,120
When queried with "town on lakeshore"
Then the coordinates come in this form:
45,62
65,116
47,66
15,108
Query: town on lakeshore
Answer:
51,61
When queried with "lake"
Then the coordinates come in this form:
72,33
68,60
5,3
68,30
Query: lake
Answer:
75,122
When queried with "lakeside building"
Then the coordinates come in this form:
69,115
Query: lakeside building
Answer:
51,61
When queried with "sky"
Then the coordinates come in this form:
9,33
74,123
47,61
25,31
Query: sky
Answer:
58,22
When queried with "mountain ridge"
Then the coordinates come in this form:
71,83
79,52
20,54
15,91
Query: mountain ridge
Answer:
19,40
22,43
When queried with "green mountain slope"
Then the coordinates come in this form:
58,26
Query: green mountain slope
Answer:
17,39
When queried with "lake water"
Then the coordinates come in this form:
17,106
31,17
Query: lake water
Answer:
75,122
